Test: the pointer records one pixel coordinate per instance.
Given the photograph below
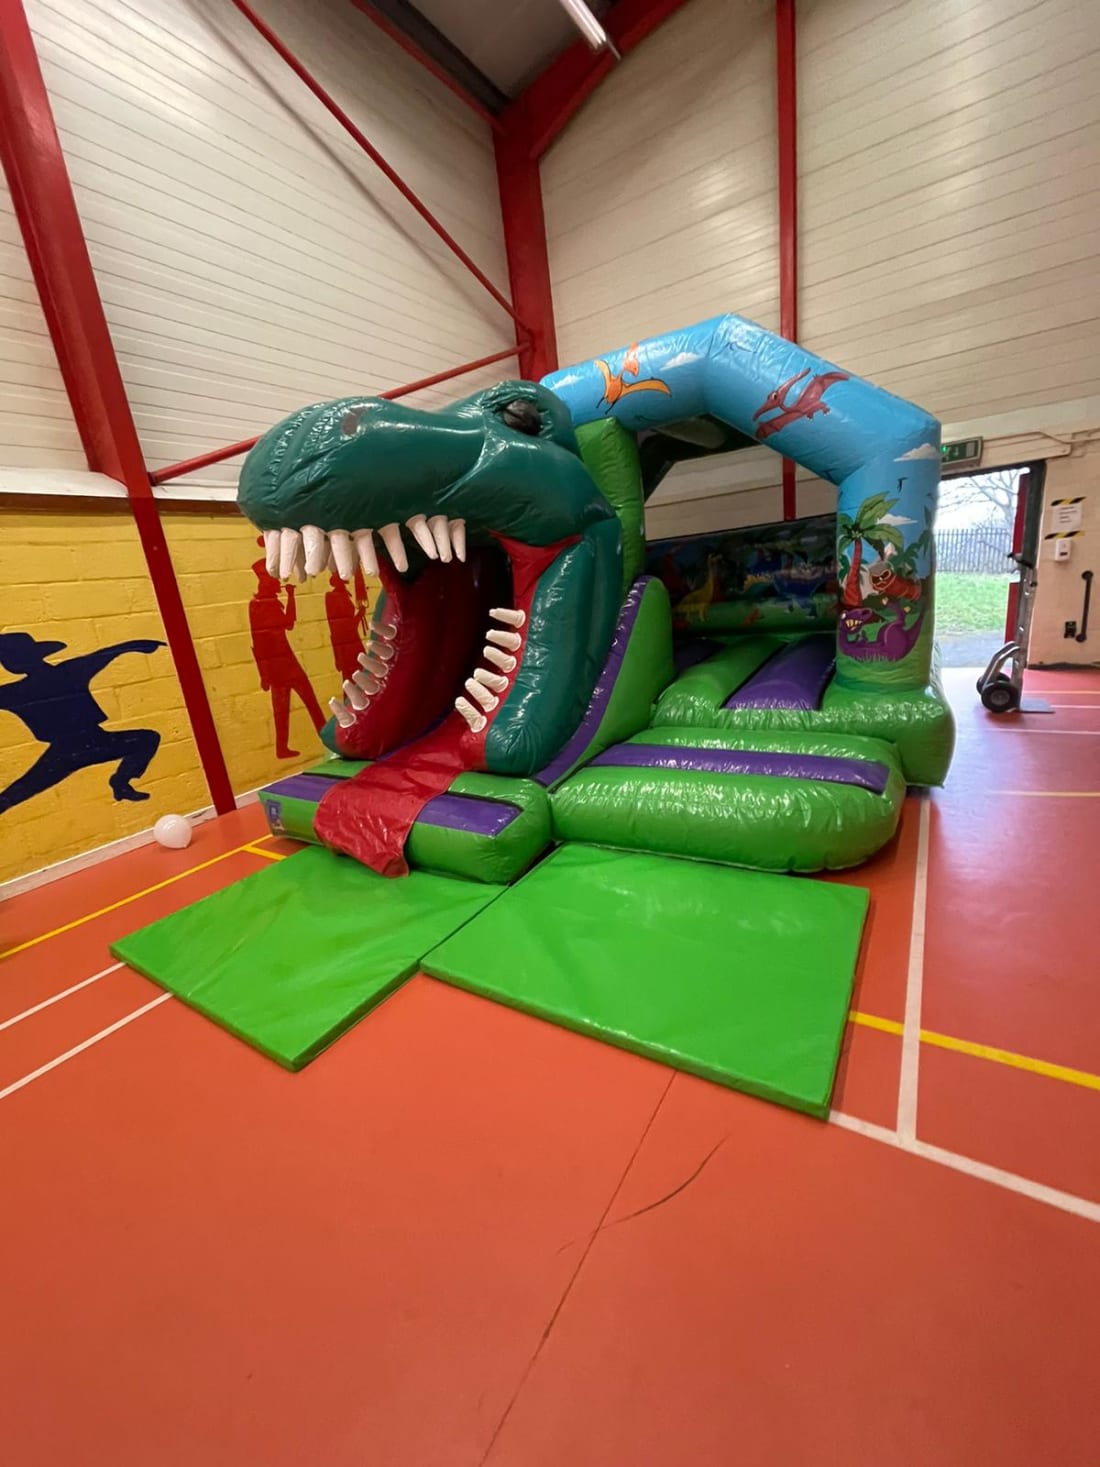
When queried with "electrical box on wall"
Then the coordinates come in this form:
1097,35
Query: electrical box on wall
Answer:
1063,549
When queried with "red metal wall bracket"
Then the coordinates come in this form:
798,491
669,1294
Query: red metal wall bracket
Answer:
58,255
787,132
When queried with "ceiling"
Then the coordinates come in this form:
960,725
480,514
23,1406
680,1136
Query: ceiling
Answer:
493,47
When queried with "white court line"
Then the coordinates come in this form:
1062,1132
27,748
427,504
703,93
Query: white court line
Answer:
1010,1181
982,1171
1079,733
57,997
79,1048
914,986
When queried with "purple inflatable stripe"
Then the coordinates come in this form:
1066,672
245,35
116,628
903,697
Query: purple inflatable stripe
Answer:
864,773
601,696
300,787
794,678
692,652
469,813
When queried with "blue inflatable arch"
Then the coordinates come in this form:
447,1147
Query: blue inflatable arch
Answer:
881,452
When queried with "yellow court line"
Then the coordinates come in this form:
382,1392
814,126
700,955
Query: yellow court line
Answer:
1015,1061
267,855
22,947
984,1051
872,1021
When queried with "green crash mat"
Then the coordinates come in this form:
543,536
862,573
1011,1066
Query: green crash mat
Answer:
290,957
738,976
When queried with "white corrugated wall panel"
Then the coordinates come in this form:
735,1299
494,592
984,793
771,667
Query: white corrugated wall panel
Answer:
660,195
36,424
661,210
251,259
950,192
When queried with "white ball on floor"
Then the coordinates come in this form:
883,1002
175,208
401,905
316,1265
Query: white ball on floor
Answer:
173,832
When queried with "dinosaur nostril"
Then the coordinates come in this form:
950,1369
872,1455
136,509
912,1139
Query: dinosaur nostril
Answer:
522,415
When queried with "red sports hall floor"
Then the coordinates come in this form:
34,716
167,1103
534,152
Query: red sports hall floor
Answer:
463,1236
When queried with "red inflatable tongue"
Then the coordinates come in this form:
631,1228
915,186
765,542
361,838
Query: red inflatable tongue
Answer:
370,815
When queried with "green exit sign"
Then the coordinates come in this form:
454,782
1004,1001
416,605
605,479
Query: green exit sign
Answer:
964,453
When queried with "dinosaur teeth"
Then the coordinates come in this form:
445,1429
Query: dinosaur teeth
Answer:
367,682
315,542
510,640
340,711
458,537
507,615
355,695
391,539
372,664
363,541
476,720
290,550
438,526
481,694
491,680
499,659
423,536
342,554
271,551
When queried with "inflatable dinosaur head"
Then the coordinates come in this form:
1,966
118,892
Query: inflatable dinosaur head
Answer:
499,558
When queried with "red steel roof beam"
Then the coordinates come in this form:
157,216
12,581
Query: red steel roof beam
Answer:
231,450
421,57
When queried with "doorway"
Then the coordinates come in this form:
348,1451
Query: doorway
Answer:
976,532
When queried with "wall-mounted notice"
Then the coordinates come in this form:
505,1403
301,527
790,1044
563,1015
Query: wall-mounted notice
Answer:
1065,514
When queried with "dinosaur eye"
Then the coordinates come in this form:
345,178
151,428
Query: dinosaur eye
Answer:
522,415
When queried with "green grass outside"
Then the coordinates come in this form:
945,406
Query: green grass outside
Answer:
970,603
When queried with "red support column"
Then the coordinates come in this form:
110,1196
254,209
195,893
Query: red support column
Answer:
525,245
787,117
46,209
1019,524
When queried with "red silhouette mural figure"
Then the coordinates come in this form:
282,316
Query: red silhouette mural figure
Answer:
280,671
806,404
347,620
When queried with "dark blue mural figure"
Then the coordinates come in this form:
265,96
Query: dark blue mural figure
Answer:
54,700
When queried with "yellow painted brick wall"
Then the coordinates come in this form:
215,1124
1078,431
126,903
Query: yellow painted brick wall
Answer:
213,555
80,578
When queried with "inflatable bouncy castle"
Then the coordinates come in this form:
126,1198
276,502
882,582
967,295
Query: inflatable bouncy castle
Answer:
536,674
569,744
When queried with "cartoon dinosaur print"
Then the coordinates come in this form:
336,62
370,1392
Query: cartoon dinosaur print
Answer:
806,404
895,640
615,385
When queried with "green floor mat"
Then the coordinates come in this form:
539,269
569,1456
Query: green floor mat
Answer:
737,976
290,957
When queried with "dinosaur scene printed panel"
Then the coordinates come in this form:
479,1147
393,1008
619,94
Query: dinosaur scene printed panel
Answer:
758,578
